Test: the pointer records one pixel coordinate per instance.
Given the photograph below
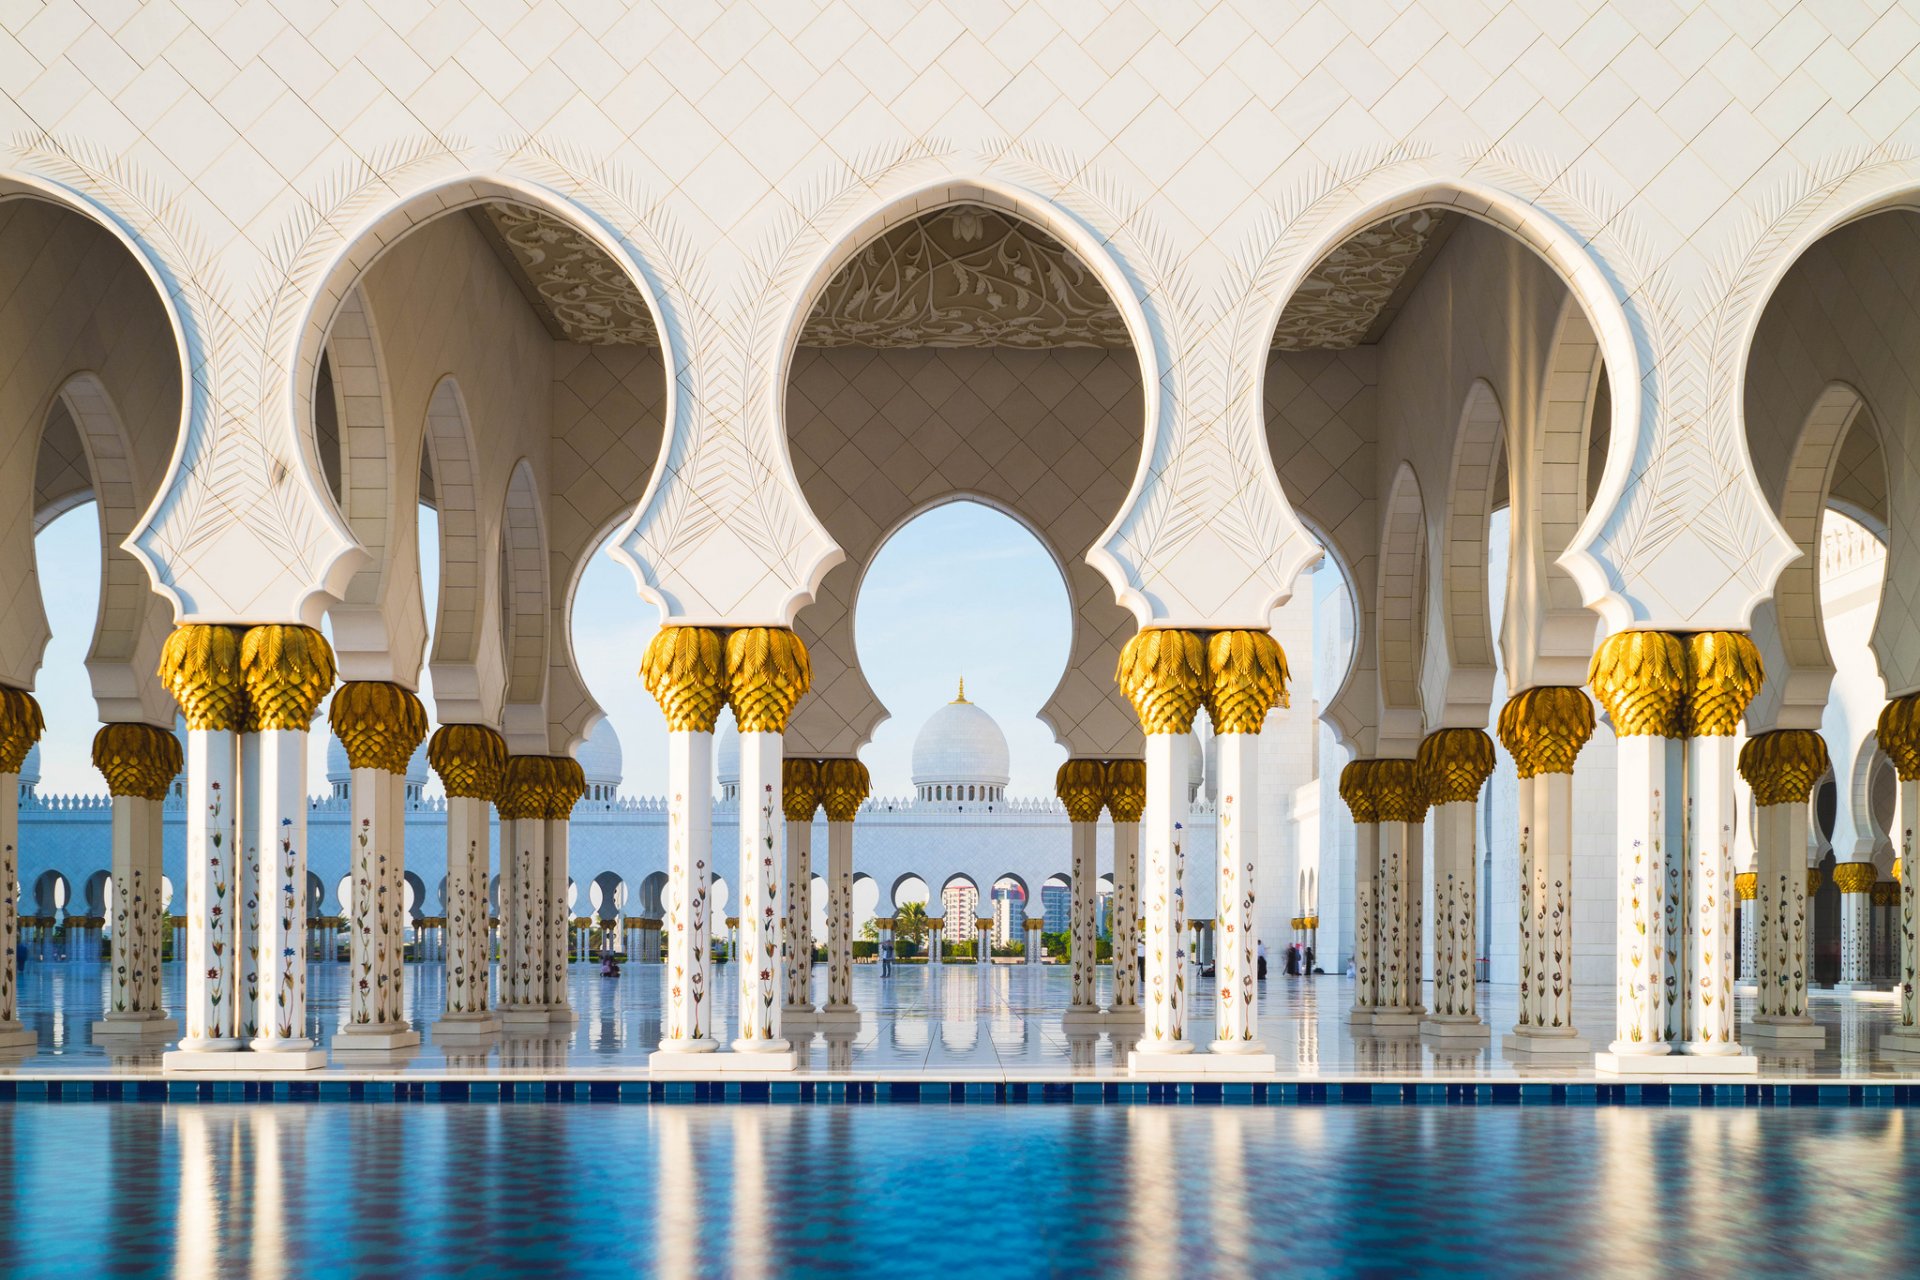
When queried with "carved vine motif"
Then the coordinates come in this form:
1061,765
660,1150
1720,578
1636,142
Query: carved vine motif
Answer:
1337,304
591,299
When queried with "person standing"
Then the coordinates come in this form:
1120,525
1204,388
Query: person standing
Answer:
1260,950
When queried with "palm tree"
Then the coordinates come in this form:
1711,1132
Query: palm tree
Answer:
910,922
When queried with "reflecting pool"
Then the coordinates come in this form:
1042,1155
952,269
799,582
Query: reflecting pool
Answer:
392,1189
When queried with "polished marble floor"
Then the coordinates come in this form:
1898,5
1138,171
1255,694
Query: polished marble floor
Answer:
957,1022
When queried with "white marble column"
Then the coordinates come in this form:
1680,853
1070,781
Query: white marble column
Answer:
471,761
1782,768
767,674
800,798
212,703
1163,673
139,762
280,829
1899,735
1035,926
1709,956
1126,801
379,725
1237,845
1545,728
1397,895
20,728
845,785
762,834
1746,888
1356,788
1082,786
685,671
523,886
1855,881
569,785
1454,766
936,929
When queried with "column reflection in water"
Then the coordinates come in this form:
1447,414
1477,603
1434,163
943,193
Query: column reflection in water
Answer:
1155,1193
677,1199
751,1257
1232,1224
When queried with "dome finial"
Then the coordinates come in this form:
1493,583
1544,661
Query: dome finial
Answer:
962,695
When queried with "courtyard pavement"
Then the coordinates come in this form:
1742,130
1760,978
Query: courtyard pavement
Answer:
955,1023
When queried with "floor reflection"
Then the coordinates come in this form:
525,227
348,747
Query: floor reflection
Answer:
955,1021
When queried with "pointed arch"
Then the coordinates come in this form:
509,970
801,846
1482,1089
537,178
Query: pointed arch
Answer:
379,623
1459,671
1401,612
524,612
469,654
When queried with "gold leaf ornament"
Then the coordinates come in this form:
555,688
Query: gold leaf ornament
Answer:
526,788
1545,727
1640,677
844,787
1454,764
569,784
200,667
1356,788
1163,673
1724,671
1855,877
1082,787
378,723
1126,789
471,760
1397,796
767,674
799,788
1246,678
685,669
1783,766
1899,733
21,725
138,760
288,670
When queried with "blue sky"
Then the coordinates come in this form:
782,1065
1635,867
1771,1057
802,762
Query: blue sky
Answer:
962,591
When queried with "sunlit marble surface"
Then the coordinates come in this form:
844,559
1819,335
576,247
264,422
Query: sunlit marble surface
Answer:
952,1023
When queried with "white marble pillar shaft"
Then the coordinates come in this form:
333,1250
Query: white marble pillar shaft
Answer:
1856,935
279,827
1456,934
1909,911
1747,913
1708,955
523,914
1397,889
1083,943
1162,900
556,838
469,865
839,917
798,930
1126,917
689,898
1236,851
1646,918
1549,960
246,884
1528,877
1366,870
1780,915
135,978
762,861
12,1032
373,913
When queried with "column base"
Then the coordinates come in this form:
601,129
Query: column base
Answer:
1521,1045
1124,1016
669,1062
1798,1031
465,1026
524,1017
1900,1042
833,1016
244,1061
1159,1062
798,1014
1387,1022
126,1030
359,1039
14,1035
1088,1016
1676,1064
562,1014
1358,1017
1454,1028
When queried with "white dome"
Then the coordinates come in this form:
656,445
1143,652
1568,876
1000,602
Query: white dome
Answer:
30,767
417,768
600,756
960,743
726,752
